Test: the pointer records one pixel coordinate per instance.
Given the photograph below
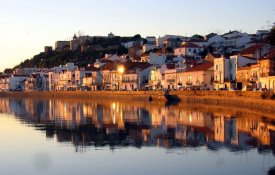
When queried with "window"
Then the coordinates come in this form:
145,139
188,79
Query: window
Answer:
189,78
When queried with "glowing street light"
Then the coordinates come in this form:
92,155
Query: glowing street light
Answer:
121,69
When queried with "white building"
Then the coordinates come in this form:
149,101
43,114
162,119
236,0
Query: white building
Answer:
148,47
128,44
169,79
24,71
217,40
262,34
155,78
157,59
199,42
151,40
135,77
199,76
161,40
188,49
37,82
57,74
225,70
12,83
236,39
114,58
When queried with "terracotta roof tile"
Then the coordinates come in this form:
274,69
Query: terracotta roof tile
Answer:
202,67
252,49
109,66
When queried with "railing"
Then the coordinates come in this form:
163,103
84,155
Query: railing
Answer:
263,74
129,81
216,81
171,80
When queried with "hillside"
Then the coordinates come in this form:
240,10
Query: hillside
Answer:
94,49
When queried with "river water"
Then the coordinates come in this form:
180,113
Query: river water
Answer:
66,136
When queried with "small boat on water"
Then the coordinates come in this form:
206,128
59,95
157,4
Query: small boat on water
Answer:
150,98
171,99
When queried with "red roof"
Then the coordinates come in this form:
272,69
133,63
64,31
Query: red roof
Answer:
252,49
109,66
202,67
140,65
190,45
251,58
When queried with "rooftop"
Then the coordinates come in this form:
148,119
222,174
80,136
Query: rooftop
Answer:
190,45
252,49
202,67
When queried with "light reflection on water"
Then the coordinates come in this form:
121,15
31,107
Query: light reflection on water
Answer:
133,138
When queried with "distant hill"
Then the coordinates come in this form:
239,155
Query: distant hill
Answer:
91,50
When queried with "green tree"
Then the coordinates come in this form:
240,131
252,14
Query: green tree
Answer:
137,37
196,36
8,71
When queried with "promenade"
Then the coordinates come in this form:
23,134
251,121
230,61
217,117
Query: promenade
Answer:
246,99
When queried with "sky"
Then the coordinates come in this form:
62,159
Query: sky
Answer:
27,26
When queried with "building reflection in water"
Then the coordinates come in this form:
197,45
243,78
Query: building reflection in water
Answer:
120,124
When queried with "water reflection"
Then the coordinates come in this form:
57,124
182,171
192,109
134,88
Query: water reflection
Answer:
122,124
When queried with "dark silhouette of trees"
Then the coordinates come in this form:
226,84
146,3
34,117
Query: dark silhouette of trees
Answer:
271,36
196,36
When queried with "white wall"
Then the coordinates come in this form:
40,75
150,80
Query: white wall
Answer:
216,39
15,82
147,47
156,59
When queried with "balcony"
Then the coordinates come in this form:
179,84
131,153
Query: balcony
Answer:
263,74
129,81
216,81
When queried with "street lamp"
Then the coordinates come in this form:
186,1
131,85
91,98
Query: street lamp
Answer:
120,70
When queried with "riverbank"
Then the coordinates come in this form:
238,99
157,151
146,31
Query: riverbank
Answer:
123,95
254,100
243,99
